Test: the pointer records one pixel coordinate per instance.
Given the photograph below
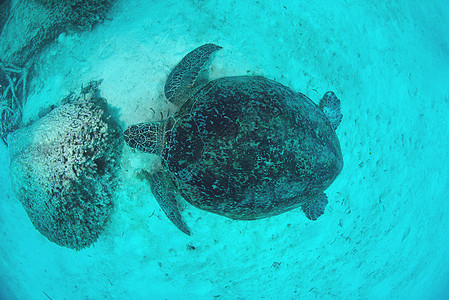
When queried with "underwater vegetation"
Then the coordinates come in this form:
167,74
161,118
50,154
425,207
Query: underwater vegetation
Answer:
26,27
12,97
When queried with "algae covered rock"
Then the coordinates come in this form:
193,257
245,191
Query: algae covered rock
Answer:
64,167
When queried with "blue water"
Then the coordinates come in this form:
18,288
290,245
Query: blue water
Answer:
385,231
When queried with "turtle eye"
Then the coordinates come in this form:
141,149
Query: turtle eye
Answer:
133,129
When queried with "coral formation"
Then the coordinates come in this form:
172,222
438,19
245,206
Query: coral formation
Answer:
79,14
64,168
28,26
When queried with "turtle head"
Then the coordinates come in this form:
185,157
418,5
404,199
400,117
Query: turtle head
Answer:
144,137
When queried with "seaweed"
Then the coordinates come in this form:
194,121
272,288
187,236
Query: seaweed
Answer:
13,81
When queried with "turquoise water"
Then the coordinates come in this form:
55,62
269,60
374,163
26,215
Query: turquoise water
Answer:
385,232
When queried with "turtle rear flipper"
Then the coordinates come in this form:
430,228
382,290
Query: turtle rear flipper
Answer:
180,81
315,207
164,191
330,105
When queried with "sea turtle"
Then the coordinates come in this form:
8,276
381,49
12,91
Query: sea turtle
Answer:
245,147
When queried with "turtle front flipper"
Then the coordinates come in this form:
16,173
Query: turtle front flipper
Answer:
314,208
180,82
330,105
165,191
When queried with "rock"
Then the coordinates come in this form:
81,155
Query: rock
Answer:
64,167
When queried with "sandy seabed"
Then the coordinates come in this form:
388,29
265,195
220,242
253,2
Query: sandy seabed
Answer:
385,232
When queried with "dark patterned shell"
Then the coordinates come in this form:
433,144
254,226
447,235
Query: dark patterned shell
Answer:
249,147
